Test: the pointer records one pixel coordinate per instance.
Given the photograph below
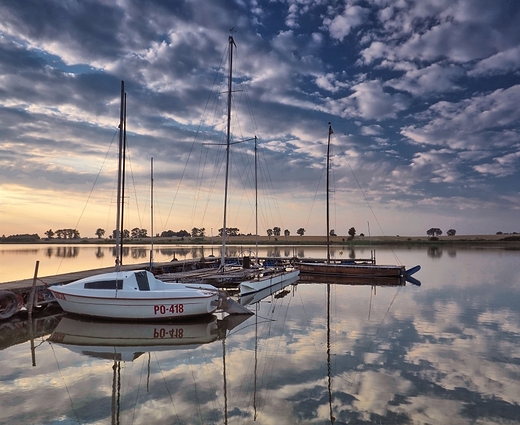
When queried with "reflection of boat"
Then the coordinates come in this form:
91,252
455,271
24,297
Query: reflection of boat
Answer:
102,338
255,297
132,294
367,269
266,281
352,280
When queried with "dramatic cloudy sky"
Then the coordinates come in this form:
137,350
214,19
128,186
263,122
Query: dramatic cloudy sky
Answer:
422,95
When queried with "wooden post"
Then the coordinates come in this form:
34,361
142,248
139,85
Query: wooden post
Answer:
30,303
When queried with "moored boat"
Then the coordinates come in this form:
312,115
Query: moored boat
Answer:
135,295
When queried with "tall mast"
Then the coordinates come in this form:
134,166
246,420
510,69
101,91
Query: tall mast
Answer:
119,168
228,143
328,215
256,201
123,174
151,211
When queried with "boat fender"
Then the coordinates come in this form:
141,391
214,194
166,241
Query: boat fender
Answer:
9,304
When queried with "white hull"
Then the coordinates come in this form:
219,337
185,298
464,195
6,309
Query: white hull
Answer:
264,282
160,301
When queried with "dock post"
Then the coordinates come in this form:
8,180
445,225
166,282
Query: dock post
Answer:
30,303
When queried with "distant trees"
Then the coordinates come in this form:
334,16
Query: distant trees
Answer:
172,234
49,233
198,233
352,232
300,231
277,231
230,231
100,232
138,233
67,234
451,232
434,232
287,233
269,233
332,233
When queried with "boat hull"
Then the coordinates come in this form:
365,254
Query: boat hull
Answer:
123,306
353,270
264,282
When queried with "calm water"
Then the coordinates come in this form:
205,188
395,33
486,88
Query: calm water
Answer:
447,352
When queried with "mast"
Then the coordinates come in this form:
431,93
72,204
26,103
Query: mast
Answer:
123,174
151,211
256,201
119,168
328,215
228,143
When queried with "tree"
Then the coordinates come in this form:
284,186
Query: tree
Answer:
332,233
49,233
100,232
277,231
434,231
286,232
269,233
352,232
451,232
300,231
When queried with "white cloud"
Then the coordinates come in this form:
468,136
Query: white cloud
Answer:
340,26
372,102
500,63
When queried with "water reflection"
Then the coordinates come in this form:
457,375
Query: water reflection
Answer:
445,352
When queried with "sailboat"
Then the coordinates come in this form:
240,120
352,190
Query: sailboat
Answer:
352,268
135,294
263,278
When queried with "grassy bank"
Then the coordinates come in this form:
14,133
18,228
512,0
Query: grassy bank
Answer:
477,240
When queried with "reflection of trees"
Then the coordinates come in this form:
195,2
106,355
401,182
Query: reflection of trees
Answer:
301,252
139,252
352,254
273,252
67,252
287,252
434,252
49,252
99,253
452,252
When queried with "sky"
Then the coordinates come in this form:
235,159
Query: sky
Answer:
422,97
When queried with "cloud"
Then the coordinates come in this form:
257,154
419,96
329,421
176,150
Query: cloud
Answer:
341,25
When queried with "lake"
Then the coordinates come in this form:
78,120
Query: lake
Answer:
445,352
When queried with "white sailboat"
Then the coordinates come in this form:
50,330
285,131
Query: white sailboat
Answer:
136,294
263,277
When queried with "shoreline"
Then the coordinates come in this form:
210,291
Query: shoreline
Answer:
510,240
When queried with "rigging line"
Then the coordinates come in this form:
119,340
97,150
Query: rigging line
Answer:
379,327
196,134
138,387
166,386
315,197
133,184
197,400
269,365
65,383
91,189
364,195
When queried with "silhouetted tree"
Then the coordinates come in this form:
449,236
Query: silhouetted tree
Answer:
49,233
434,231
451,232
300,231
332,233
277,231
100,232
352,232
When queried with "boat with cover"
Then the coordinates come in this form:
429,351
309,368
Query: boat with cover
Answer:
351,268
137,294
